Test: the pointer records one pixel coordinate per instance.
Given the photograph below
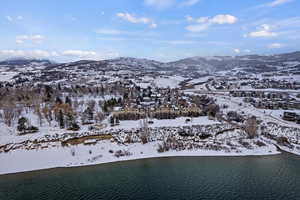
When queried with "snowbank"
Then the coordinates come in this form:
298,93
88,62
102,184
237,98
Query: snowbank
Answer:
81,155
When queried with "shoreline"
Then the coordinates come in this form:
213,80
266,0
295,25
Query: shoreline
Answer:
56,158
144,158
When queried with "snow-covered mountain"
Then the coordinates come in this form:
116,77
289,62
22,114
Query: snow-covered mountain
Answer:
187,66
248,62
25,62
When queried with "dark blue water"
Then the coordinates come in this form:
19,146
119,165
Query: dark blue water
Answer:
272,177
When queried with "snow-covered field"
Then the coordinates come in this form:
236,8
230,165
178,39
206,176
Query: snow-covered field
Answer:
180,121
7,76
53,157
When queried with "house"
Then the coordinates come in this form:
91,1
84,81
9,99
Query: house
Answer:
290,116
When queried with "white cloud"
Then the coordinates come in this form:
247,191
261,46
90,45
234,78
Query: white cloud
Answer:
197,27
264,31
189,18
237,50
162,4
25,54
159,4
223,19
133,19
203,23
181,42
79,53
190,2
137,20
153,25
218,19
19,41
36,39
11,53
11,19
70,54
202,20
278,3
108,31
275,46
112,38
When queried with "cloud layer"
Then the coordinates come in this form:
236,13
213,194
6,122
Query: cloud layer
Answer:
35,39
204,23
137,20
71,54
264,31
278,3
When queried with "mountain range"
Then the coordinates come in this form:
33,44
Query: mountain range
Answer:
201,65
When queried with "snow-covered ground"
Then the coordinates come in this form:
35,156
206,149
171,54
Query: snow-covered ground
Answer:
180,121
7,76
22,160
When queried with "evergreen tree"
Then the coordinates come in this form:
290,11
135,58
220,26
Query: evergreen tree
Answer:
58,100
89,113
61,119
48,97
117,121
75,126
68,101
105,107
112,121
69,120
22,124
87,116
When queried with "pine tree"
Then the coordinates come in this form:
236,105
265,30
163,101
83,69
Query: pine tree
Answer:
58,100
68,101
69,120
117,121
112,121
89,113
22,124
61,119
105,107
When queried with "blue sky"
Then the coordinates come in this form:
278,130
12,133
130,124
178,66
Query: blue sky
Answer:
164,30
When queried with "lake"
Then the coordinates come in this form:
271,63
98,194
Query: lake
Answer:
257,177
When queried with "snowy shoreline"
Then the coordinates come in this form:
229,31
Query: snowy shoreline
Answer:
20,161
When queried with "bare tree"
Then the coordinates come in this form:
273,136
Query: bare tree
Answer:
8,115
39,114
47,114
99,117
251,127
144,131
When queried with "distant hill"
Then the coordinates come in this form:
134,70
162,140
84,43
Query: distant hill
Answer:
194,65
25,62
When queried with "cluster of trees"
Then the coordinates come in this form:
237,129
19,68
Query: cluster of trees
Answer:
56,103
24,127
114,120
111,103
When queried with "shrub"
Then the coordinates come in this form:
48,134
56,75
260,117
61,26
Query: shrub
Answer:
259,143
74,127
282,141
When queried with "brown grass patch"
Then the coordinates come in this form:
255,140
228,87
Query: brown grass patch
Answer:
76,141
